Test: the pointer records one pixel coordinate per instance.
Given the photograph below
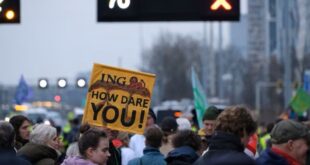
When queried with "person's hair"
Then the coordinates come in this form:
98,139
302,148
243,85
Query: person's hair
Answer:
42,133
7,135
153,136
123,136
269,127
75,121
90,138
84,127
17,122
169,126
186,138
236,120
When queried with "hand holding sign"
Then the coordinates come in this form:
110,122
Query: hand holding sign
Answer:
118,98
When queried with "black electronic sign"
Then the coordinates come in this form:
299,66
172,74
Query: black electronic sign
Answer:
9,11
168,10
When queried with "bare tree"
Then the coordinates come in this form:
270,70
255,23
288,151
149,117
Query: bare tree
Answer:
233,70
171,58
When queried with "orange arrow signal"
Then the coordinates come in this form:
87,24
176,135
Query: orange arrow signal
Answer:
218,3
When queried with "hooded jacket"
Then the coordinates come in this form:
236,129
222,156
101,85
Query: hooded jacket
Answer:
19,143
151,156
268,157
184,154
38,154
8,157
225,148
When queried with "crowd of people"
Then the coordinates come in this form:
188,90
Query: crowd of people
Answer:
229,136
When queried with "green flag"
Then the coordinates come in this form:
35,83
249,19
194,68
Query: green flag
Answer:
301,101
200,100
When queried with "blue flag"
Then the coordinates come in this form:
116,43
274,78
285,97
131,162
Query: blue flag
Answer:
23,92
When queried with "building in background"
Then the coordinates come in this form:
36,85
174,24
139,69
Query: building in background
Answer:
307,44
238,34
274,29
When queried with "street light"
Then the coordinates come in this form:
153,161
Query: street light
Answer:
43,83
62,82
81,82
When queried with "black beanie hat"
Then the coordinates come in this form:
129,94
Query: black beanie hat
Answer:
169,124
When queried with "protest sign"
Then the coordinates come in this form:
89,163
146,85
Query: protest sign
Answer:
118,98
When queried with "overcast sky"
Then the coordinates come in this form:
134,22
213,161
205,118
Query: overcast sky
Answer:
60,38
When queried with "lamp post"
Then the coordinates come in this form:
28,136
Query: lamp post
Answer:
81,82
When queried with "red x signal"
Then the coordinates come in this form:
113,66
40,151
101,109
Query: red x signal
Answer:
218,3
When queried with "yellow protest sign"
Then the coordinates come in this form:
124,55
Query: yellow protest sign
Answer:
118,98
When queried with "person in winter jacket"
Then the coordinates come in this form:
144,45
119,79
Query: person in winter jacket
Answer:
93,147
136,142
290,141
7,151
127,153
42,146
116,156
233,128
207,130
208,120
169,126
152,156
186,146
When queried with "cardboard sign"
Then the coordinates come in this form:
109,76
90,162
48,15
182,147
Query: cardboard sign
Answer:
118,99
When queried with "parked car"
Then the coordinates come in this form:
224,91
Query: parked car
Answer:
55,118
36,115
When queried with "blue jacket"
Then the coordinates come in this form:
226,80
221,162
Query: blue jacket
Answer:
151,156
8,157
184,154
268,157
225,149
